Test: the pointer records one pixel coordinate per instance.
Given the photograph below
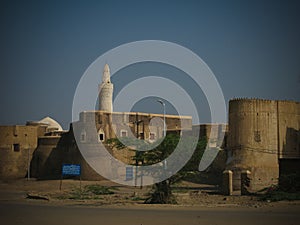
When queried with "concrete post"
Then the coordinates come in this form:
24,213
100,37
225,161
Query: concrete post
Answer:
227,182
245,182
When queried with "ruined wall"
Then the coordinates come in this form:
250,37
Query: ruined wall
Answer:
252,141
17,144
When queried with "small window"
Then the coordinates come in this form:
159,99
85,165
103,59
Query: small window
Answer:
123,133
152,136
101,137
141,136
16,147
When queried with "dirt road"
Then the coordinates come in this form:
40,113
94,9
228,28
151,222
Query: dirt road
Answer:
28,214
197,205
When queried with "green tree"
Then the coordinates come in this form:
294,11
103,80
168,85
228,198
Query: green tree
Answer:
162,191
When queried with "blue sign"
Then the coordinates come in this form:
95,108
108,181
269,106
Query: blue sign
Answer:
71,169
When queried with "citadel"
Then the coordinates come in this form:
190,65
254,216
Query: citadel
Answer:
262,140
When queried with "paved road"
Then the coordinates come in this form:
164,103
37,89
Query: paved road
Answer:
32,214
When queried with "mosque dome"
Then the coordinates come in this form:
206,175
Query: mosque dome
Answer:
51,123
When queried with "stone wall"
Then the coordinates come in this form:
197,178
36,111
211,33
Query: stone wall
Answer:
131,123
54,151
17,144
257,129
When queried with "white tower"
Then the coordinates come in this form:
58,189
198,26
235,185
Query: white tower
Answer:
106,91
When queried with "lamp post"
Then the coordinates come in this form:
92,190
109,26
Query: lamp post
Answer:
164,107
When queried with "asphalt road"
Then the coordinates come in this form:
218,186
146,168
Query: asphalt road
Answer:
33,214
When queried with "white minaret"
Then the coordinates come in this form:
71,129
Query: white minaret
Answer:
106,91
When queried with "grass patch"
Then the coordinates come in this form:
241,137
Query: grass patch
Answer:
93,191
137,198
98,190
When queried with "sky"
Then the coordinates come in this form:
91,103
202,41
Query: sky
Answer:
252,47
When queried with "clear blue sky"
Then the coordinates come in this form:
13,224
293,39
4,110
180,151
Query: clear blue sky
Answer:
253,48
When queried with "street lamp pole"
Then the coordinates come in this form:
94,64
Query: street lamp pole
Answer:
164,107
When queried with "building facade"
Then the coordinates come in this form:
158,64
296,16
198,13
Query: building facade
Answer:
18,144
262,137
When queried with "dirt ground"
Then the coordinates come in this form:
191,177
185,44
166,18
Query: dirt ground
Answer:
187,194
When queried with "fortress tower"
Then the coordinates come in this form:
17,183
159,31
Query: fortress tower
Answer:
106,91
263,135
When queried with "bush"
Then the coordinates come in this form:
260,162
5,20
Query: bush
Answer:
161,194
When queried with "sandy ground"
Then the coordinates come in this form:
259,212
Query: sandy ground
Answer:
197,204
187,195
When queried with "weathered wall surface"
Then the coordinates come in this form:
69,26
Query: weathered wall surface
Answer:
47,159
113,124
260,133
17,144
53,152
288,129
252,141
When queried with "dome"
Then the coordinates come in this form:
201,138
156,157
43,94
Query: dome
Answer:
51,123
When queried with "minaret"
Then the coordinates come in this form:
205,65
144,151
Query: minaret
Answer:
106,91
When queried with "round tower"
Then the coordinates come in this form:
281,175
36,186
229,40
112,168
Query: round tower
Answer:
106,91
253,141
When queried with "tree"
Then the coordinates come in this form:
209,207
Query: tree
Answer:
162,191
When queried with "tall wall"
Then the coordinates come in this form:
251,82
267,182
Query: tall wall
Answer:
46,162
54,151
17,144
262,132
253,141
